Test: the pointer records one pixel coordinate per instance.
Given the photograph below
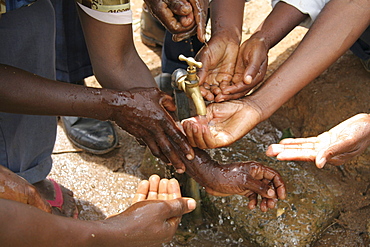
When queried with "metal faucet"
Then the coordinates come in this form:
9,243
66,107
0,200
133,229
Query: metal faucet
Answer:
188,81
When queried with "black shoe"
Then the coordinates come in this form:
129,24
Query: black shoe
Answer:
92,135
151,30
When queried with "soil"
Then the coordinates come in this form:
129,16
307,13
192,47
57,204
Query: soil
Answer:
105,184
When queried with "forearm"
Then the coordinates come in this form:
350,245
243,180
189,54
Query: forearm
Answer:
25,93
227,19
336,29
24,225
282,19
114,58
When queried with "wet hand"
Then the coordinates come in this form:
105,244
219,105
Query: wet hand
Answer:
224,124
336,146
250,68
142,113
253,179
181,17
18,189
218,58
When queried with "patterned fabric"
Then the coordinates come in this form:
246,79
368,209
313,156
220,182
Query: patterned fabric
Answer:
108,6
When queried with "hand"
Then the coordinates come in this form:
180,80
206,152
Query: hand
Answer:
218,58
250,68
157,189
181,17
18,189
336,146
142,112
224,124
155,215
249,179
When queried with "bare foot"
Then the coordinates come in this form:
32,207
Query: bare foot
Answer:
60,198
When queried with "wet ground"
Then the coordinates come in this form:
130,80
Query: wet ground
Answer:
105,184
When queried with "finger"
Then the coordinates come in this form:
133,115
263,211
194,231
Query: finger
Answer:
226,97
163,189
299,140
263,205
198,135
271,203
153,187
253,201
255,69
187,20
187,126
177,37
200,8
171,153
174,190
180,206
180,7
260,188
179,139
154,148
141,192
273,176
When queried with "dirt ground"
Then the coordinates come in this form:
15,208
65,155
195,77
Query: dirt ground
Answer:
105,184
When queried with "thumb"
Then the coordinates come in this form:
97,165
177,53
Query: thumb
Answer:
325,155
180,206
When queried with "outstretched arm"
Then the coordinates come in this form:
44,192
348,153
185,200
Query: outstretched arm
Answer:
338,26
152,220
336,146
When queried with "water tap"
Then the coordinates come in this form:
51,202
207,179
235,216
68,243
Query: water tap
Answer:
188,81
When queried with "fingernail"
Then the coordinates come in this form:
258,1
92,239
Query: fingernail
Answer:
248,79
271,192
189,156
192,204
180,171
321,163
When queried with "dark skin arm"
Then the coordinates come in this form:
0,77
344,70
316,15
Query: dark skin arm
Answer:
15,188
141,112
251,65
338,26
117,65
220,53
151,221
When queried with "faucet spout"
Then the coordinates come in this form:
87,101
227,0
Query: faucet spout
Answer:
188,81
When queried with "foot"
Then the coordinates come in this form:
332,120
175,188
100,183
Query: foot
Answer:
60,198
92,135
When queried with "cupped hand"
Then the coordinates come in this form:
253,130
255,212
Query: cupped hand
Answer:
250,68
224,124
155,214
142,113
18,189
157,189
336,146
218,58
